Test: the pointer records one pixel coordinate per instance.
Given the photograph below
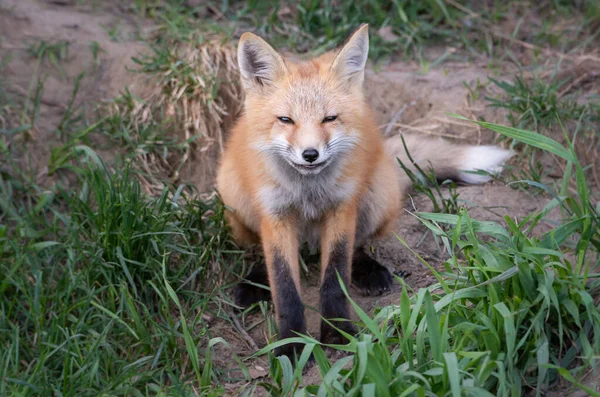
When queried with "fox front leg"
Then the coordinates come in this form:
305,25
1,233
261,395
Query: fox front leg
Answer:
337,246
280,244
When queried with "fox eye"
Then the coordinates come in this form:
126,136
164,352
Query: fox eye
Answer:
285,120
329,119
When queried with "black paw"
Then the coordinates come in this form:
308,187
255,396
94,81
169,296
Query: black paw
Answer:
293,351
247,294
368,276
335,355
331,336
401,273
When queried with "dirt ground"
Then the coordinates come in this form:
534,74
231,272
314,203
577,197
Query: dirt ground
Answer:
405,98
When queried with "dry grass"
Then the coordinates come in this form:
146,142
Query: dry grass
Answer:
195,96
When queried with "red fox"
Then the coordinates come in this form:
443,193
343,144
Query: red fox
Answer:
306,163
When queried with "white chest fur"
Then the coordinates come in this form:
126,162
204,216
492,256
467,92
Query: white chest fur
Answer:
310,198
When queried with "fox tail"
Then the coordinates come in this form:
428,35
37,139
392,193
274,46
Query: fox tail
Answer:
448,160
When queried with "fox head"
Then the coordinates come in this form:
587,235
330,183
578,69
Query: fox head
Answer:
307,113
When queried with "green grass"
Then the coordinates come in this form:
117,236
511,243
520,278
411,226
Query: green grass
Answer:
143,139
51,52
411,22
96,50
544,105
103,289
536,104
401,27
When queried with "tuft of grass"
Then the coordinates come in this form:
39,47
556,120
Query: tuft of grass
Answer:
407,24
146,8
406,27
536,104
114,31
543,105
197,93
96,49
590,8
52,52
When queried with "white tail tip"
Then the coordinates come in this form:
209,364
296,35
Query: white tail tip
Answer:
486,158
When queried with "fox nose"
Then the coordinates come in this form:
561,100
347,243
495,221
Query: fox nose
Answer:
310,155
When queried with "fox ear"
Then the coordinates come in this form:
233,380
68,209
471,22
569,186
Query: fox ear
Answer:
350,61
260,65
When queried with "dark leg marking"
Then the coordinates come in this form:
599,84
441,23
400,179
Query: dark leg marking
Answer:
290,310
333,301
247,294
